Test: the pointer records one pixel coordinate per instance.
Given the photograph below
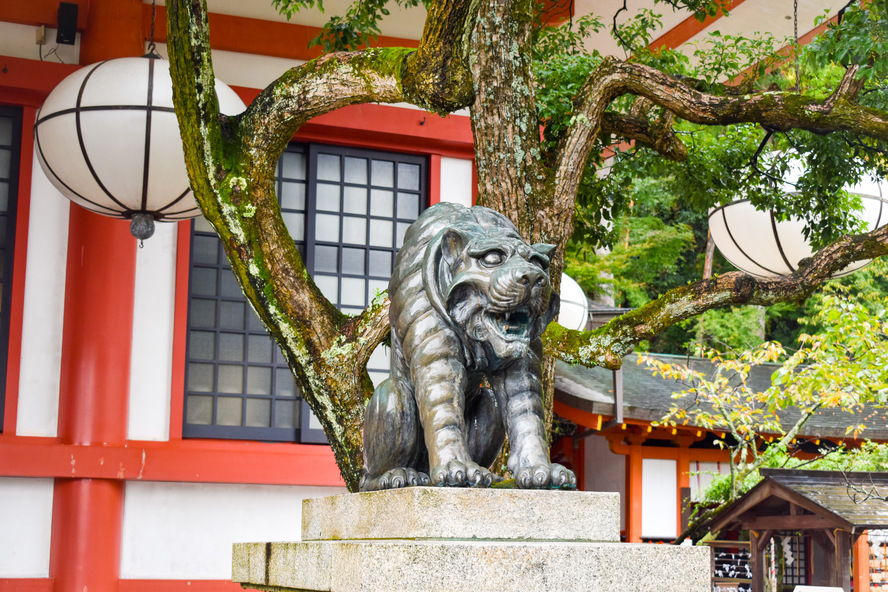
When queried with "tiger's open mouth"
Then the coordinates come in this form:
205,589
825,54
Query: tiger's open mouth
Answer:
512,325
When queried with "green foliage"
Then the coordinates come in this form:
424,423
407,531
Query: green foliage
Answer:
842,366
724,401
726,329
637,32
651,245
357,27
726,57
859,38
561,66
870,456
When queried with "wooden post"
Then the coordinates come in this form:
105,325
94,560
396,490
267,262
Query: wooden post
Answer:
758,542
843,560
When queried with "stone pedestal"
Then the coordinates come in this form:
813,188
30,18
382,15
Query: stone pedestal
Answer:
424,539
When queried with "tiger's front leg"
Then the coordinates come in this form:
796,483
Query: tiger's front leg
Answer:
519,388
440,397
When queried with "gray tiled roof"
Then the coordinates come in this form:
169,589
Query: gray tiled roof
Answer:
649,398
853,496
849,501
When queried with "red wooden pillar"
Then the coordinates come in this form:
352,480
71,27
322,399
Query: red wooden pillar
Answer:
683,480
114,31
860,556
633,488
434,179
97,333
93,398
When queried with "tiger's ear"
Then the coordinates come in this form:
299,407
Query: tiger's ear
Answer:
453,243
553,310
543,248
441,252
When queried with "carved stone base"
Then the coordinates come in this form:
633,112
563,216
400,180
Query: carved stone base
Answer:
475,540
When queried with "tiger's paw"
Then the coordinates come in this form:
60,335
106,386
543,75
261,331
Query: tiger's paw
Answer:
394,479
545,476
462,474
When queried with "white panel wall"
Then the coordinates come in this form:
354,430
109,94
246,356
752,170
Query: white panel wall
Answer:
38,402
659,501
701,475
19,41
456,180
25,527
605,471
152,348
242,69
185,531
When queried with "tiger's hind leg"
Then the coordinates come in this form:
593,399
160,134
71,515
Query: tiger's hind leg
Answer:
394,449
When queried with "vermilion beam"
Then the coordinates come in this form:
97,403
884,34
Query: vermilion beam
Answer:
195,461
688,29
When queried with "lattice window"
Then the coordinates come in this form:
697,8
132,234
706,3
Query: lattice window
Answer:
795,560
347,210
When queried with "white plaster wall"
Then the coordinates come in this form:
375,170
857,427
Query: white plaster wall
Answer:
38,401
25,527
243,69
605,471
185,530
20,41
406,22
659,502
701,475
152,347
456,180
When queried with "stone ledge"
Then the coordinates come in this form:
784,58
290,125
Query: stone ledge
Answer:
463,513
282,565
471,566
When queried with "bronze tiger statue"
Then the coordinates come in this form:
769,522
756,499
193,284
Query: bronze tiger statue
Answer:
469,301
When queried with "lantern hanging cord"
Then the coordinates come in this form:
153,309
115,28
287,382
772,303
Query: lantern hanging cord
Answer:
152,48
795,34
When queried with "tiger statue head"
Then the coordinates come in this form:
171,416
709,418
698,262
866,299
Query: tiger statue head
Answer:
492,285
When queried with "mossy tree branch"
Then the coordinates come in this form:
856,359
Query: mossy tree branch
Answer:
773,110
657,134
607,345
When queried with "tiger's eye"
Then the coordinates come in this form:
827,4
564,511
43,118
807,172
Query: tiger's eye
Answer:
492,258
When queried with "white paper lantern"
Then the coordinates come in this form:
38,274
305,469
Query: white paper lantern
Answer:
108,139
574,312
756,243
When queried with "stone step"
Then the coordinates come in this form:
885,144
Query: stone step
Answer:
471,566
463,513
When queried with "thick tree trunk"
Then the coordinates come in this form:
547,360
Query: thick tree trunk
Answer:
231,163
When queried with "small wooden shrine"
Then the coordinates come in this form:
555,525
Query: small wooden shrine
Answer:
816,521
